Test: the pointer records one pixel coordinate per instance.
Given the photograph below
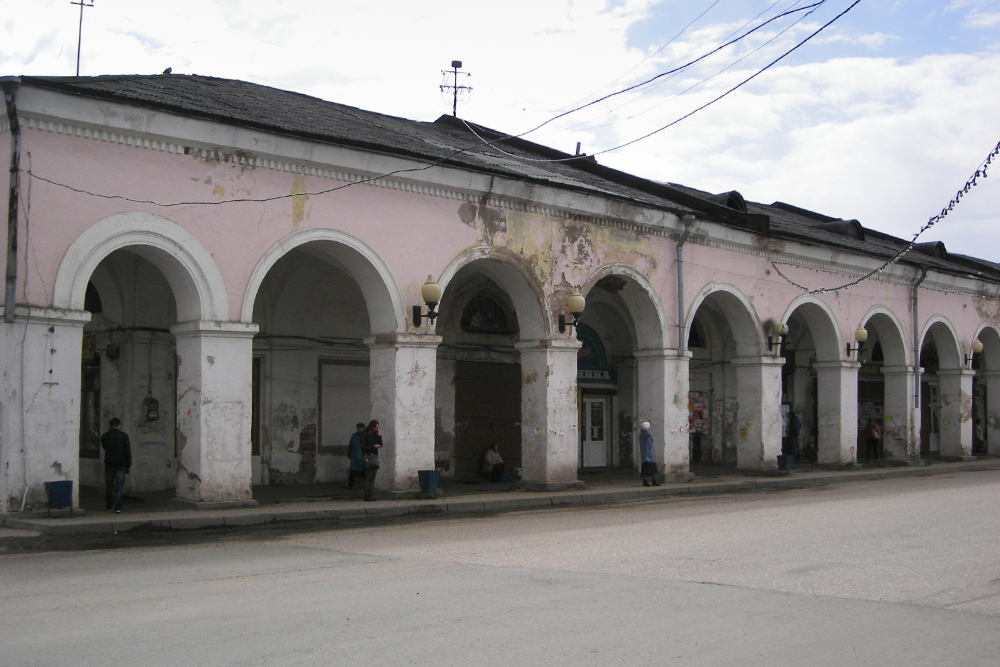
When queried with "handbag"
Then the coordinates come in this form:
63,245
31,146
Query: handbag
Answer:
370,462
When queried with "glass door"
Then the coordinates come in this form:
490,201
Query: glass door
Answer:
594,432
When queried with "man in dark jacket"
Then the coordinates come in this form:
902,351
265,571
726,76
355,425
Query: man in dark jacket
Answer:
117,462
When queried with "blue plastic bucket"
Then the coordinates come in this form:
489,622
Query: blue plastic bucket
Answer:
428,481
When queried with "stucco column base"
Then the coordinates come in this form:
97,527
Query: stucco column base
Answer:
676,477
758,393
214,399
956,413
39,404
550,441
403,375
663,402
837,385
900,418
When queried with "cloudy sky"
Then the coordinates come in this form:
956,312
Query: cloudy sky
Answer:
882,116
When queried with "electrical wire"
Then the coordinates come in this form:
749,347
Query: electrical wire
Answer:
678,120
491,144
687,64
969,184
584,124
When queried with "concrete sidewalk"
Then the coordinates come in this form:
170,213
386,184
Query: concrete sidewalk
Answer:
331,502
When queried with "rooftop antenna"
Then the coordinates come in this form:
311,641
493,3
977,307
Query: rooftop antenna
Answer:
455,66
79,34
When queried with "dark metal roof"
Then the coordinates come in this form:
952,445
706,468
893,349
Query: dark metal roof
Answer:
450,141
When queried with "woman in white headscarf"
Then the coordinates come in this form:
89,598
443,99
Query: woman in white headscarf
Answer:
647,455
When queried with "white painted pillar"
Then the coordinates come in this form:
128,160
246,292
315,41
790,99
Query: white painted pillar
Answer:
550,441
901,417
956,412
39,404
758,392
214,402
837,386
992,416
663,402
403,372
801,403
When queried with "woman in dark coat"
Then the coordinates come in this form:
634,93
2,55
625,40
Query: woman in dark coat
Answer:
373,443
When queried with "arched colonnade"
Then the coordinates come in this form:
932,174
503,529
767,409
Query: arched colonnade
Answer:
322,304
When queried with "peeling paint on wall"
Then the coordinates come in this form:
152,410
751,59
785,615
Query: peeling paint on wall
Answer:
298,200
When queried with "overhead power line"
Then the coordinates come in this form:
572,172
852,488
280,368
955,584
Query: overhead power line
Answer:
494,144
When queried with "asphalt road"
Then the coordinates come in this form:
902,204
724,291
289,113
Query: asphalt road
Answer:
894,572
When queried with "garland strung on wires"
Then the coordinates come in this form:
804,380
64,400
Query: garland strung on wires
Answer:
969,184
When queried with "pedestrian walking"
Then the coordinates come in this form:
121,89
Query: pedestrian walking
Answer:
117,463
648,456
794,429
355,450
873,436
373,443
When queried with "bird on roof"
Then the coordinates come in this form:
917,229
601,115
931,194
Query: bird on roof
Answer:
168,70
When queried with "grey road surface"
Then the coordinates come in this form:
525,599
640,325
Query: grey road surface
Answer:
894,572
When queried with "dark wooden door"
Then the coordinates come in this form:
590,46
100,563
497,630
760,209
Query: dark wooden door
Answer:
487,410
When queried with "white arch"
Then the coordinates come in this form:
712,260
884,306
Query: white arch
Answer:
533,313
641,310
741,327
899,339
955,357
194,278
822,323
386,312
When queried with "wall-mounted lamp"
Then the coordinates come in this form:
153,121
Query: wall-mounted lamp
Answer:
778,334
977,347
431,294
576,303
861,335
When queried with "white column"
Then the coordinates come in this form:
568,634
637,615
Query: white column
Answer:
758,393
956,412
214,401
550,441
663,402
902,418
403,372
39,404
992,416
837,389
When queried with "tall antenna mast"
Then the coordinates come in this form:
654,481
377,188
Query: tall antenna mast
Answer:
79,34
455,66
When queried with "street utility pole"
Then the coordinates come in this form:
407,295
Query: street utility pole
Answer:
79,34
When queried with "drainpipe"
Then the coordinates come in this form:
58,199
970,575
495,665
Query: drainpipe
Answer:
916,339
9,85
688,220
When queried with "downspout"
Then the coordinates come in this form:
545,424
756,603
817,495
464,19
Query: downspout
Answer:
688,220
9,85
916,338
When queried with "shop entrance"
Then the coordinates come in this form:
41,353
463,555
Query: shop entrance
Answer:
487,411
594,432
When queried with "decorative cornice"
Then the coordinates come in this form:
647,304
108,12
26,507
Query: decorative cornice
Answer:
242,158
